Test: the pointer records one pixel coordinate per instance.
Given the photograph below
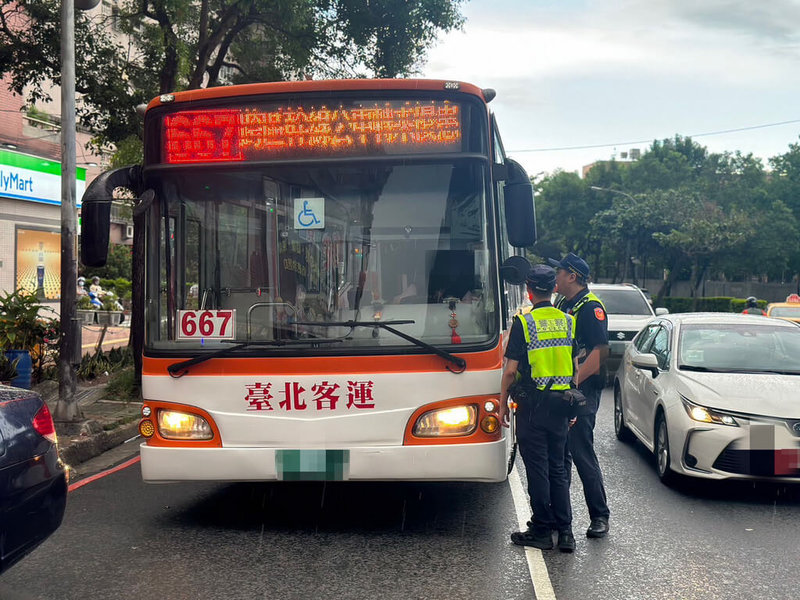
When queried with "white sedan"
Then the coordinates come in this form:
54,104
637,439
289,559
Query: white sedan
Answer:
714,395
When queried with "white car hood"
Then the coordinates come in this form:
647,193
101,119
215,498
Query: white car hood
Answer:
628,322
757,394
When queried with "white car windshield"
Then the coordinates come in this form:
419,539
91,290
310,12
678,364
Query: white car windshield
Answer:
739,348
624,302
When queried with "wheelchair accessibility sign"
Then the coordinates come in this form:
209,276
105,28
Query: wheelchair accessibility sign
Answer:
309,213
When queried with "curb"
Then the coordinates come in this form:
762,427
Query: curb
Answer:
93,445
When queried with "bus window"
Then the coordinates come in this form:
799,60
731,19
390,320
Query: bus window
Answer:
415,233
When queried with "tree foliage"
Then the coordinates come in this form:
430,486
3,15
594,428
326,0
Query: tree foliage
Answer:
679,210
164,46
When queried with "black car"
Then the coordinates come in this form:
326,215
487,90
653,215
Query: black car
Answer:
33,480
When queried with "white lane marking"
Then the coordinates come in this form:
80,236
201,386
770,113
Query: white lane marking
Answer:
539,576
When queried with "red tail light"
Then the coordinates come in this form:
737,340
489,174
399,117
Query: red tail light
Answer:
43,424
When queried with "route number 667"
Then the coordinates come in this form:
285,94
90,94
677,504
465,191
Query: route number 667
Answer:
209,324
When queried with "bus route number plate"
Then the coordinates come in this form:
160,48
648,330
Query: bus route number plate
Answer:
207,324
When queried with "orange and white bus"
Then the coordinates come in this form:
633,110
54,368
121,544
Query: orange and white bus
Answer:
325,295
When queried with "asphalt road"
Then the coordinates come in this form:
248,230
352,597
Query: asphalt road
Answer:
122,539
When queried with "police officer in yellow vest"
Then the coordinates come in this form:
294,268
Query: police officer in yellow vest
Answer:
540,359
591,335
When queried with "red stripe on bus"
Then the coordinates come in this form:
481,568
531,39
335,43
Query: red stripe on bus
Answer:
329,365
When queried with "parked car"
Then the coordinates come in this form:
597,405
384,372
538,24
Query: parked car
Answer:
33,480
628,310
713,395
789,310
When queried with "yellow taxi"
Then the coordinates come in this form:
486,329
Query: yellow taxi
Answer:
789,310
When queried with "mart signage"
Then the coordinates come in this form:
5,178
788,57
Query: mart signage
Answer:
25,177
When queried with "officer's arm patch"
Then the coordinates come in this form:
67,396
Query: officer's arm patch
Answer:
600,314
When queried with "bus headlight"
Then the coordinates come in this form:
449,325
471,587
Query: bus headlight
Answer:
446,422
174,425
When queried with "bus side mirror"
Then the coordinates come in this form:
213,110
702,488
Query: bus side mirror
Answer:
514,270
96,212
519,207
95,226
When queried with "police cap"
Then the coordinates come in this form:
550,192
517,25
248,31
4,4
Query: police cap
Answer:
541,278
572,263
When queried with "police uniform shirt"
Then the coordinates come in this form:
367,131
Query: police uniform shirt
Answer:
517,348
591,329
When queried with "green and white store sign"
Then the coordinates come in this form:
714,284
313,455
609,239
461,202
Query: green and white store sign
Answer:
26,177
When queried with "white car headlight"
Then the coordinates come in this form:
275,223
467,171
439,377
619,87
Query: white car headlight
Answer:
707,415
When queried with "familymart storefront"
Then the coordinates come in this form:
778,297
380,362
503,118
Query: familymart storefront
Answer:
30,224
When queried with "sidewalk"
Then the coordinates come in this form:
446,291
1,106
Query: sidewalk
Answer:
114,336
106,422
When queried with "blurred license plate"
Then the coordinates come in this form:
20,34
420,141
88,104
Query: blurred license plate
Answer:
312,465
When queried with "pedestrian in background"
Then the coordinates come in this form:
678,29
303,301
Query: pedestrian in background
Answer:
540,358
591,334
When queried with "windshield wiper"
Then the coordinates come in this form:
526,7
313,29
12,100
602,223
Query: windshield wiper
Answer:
765,371
701,369
179,369
459,362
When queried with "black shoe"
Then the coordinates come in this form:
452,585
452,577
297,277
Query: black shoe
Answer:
566,541
598,528
543,541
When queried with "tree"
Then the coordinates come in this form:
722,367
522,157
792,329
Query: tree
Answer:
704,233
564,208
30,38
181,44
667,164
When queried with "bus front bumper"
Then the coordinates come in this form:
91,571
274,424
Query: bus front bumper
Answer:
444,462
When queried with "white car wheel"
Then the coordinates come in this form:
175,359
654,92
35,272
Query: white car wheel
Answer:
663,457
622,432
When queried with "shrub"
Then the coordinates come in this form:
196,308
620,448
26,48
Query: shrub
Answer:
123,386
710,304
677,305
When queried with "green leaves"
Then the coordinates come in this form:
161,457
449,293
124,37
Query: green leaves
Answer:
21,327
149,47
678,209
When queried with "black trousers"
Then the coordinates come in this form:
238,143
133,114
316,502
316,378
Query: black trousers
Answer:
542,438
580,450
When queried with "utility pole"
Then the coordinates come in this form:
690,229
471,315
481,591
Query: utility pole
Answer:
67,408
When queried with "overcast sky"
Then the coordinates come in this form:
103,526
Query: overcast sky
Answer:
608,72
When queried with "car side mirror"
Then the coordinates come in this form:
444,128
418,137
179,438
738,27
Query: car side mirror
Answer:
514,270
648,362
661,311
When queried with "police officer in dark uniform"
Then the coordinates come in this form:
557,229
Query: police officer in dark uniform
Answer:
591,334
540,359
753,308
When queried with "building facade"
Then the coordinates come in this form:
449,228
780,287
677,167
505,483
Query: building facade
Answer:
30,196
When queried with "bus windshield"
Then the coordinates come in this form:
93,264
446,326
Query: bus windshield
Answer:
279,248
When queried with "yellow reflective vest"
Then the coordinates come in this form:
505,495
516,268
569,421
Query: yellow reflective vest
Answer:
548,336
579,304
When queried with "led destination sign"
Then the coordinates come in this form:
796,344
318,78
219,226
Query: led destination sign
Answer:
312,131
